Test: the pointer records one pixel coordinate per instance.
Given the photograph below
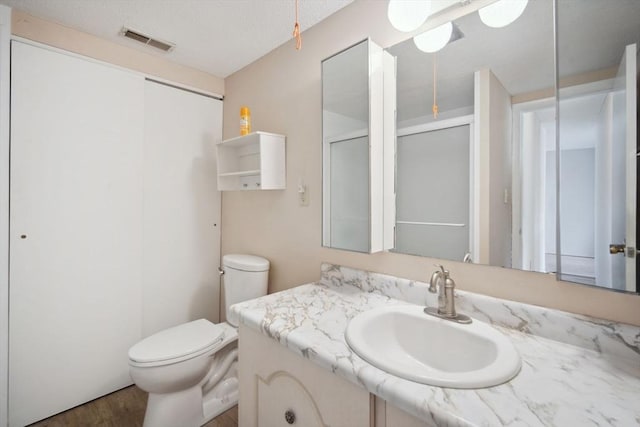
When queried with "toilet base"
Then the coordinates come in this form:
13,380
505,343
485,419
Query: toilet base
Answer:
199,404
188,407
216,406
183,408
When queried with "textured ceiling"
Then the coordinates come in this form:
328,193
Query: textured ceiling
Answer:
216,36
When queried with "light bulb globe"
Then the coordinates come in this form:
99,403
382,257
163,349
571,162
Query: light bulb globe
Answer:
408,15
435,39
502,13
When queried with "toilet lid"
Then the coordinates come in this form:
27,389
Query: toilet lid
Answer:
174,343
245,262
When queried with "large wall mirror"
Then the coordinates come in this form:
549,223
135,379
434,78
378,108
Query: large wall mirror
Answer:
481,181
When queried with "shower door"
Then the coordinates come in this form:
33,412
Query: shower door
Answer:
433,193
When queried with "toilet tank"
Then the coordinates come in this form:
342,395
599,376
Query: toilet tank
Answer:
245,277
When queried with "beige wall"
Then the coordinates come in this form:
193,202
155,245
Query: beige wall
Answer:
283,90
59,36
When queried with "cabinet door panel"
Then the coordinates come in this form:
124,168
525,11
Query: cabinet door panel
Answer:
76,143
282,396
274,379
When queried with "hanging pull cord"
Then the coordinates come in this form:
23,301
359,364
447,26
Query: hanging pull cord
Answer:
435,90
296,31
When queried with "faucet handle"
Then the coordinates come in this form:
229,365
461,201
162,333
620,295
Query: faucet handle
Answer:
438,278
432,283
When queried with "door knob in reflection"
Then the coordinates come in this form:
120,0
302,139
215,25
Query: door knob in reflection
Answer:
616,249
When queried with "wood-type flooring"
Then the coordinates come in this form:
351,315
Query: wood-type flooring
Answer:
123,408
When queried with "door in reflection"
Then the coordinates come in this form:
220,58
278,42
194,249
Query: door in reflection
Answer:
433,193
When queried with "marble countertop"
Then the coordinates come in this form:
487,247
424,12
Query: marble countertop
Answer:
592,379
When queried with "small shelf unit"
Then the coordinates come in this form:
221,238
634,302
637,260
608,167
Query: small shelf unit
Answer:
252,162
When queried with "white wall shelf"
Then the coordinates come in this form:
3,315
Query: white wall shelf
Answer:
252,162
241,173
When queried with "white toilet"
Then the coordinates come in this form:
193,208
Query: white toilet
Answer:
189,370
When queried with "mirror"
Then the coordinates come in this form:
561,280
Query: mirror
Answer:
478,183
455,189
353,149
345,132
598,74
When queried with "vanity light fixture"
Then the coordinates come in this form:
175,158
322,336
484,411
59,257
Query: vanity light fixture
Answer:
435,39
502,13
408,15
431,42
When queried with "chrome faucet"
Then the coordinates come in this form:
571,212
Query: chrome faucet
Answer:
442,283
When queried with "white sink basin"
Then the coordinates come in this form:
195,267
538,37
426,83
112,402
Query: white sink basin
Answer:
408,343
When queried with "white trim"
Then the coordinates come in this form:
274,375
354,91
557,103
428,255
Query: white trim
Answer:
475,173
591,88
631,92
440,124
117,67
437,224
389,150
516,187
474,152
517,184
535,105
5,67
376,149
347,136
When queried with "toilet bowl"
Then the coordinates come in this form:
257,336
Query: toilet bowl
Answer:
189,370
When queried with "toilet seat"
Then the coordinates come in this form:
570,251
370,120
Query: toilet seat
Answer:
177,344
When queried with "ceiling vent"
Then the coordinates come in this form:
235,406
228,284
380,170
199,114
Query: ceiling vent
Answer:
149,41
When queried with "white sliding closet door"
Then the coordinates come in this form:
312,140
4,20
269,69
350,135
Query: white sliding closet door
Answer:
75,238
181,226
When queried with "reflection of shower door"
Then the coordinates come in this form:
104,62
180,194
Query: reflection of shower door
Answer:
349,194
433,193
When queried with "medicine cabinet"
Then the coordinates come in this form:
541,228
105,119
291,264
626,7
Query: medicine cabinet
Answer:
358,145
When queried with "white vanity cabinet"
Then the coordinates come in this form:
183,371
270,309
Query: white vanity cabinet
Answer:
252,162
280,388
